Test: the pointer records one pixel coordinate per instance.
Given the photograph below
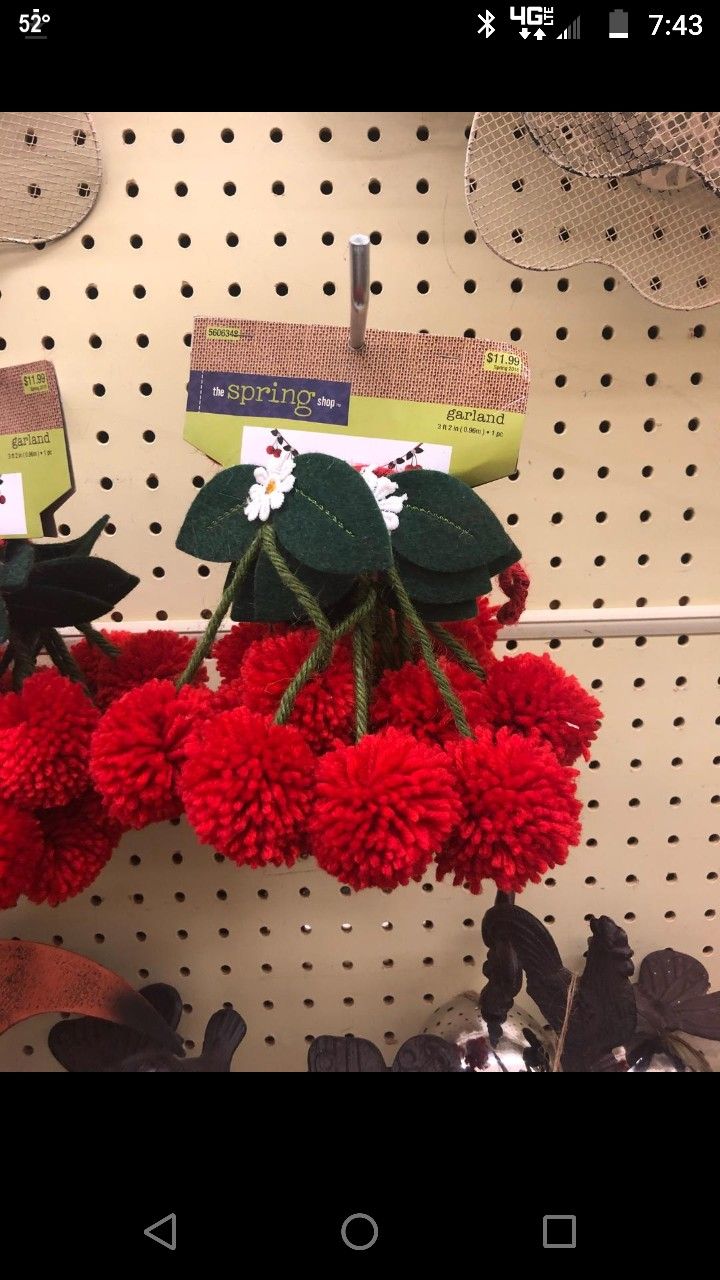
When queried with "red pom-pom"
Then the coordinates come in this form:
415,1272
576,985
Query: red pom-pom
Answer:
382,809
247,787
228,696
531,694
409,699
45,733
139,748
21,847
324,709
519,812
79,840
230,649
147,655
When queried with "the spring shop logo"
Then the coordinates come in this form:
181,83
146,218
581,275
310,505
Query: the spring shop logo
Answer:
260,396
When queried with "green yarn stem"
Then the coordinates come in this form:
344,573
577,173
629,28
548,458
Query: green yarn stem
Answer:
61,656
25,649
457,648
205,643
361,680
320,655
404,642
302,593
316,660
100,641
445,688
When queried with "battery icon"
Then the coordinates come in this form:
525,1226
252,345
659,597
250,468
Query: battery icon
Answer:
618,25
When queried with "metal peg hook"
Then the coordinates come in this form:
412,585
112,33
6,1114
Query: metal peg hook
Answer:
359,289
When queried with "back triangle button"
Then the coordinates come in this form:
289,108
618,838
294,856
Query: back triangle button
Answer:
163,1232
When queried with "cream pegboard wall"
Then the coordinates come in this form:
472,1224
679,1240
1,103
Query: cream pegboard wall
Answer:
613,505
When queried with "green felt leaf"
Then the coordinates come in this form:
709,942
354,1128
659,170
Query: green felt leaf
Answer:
81,546
446,527
262,597
4,622
65,593
215,527
331,521
14,569
512,555
447,612
442,588
274,602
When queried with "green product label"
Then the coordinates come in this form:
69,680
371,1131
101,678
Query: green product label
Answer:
35,473
476,444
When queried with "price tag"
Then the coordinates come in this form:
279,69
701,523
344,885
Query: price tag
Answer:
502,362
34,382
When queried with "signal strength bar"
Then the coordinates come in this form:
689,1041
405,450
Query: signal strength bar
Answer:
571,32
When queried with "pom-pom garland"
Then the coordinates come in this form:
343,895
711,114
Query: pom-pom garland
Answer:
147,655
382,809
21,848
139,748
79,839
519,812
409,699
247,787
531,694
231,648
324,709
45,733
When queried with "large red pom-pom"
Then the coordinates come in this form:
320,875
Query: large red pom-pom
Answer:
21,847
383,808
409,699
531,694
247,787
230,649
147,655
45,733
519,812
324,709
139,747
79,840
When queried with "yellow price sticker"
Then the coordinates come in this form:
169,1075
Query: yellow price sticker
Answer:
35,382
502,362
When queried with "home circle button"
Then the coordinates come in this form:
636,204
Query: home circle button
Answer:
359,1232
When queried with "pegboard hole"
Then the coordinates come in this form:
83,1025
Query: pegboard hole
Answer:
280,239
374,186
373,134
229,188
693,424
516,285
88,242
139,291
281,288
44,293
186,289
132,189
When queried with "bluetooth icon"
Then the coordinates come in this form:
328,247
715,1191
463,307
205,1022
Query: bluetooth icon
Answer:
486,27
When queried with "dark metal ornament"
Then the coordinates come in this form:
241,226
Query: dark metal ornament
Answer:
521,1045
601,1014
90,1045
350,1053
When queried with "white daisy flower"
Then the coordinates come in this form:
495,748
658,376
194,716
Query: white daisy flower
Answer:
384,491
271,485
